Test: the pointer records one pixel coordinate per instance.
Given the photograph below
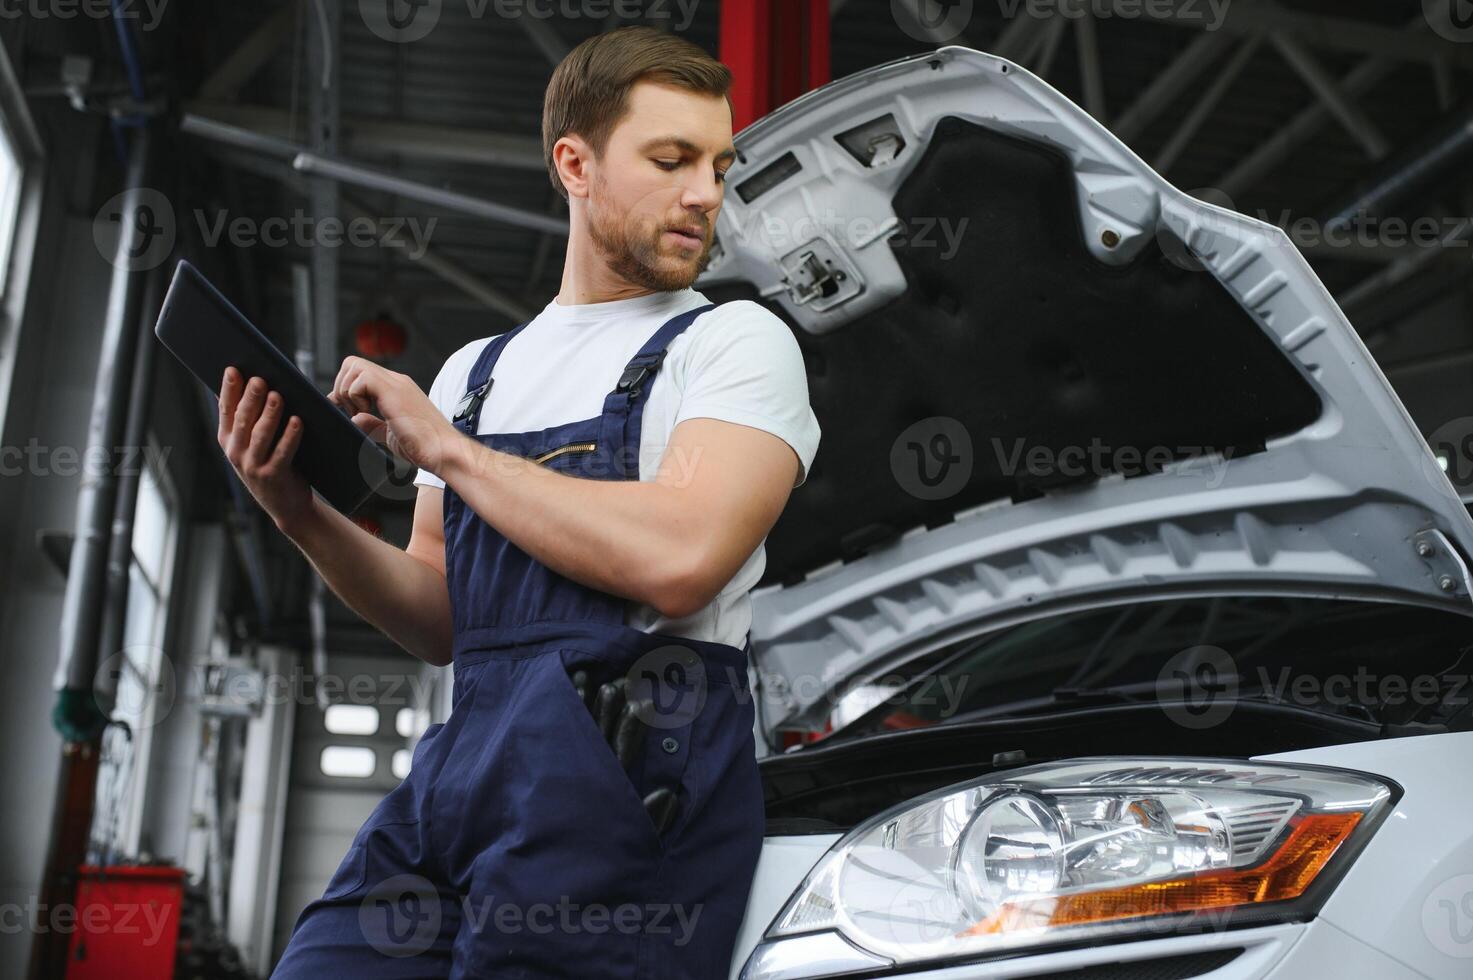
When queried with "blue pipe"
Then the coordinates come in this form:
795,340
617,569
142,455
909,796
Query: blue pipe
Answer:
129,47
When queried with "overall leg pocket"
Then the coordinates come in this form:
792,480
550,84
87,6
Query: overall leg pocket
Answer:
634,751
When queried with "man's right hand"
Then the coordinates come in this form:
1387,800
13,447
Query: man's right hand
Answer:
249,418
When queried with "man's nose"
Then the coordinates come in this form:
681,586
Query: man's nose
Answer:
702,192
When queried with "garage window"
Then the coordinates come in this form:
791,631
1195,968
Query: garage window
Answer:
351,719
10,184
349,761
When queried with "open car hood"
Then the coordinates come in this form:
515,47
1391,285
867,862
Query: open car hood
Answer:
1047,377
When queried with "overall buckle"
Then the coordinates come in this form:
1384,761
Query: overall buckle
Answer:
471,402
638,369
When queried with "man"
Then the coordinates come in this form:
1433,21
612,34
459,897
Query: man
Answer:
595,489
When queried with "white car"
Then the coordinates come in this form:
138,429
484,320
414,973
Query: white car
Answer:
1124,623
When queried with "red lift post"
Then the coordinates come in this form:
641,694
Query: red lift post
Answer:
776,50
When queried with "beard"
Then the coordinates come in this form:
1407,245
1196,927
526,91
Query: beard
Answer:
633,250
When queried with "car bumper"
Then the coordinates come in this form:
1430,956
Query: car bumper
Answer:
1403,909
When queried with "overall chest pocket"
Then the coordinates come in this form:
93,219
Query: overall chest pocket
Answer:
571,449
587,458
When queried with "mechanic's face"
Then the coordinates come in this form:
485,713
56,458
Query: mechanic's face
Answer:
656,190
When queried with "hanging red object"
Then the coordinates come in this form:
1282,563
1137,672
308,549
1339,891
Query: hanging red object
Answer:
380,338
776,50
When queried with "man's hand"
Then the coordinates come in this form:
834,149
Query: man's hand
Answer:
390,408
249,418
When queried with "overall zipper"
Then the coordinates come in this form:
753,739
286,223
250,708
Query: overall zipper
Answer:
572,447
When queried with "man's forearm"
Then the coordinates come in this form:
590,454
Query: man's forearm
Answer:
629,538
404,597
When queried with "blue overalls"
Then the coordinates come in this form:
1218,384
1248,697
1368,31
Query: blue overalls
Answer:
519,846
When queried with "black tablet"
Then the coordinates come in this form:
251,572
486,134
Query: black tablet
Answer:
204,330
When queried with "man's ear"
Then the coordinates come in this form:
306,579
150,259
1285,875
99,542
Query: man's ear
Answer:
573,158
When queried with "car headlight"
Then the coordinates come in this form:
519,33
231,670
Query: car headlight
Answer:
1069,852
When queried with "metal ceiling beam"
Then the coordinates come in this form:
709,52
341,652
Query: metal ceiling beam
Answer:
362,136
545,37
316,164
1252,17
446,269
1341,106
1194,120
1403,269
1442,80
1198,56
1048,48
320,165
1018,40
431,260
1277,148
1416,174
1087,43
242,64
324,64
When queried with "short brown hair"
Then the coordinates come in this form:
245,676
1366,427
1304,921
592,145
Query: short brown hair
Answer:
589,90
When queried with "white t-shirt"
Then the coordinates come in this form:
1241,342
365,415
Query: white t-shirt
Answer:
738,362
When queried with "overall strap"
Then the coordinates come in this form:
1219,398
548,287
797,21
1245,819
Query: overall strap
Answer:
624,406
468,413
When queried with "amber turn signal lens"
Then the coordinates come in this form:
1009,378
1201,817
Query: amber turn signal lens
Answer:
1312,840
